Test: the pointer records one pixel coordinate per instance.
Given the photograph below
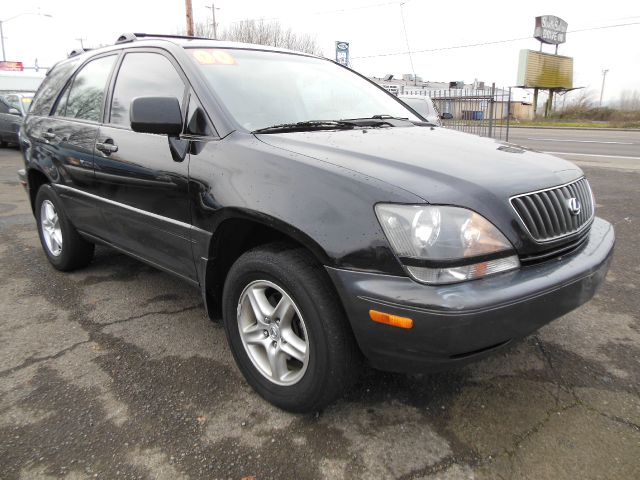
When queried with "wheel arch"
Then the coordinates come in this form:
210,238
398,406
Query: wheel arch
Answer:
238,232
35,179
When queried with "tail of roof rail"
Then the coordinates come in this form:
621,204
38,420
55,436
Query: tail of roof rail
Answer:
77,51
132,37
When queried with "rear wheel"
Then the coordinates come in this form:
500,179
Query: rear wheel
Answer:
61,242
287,331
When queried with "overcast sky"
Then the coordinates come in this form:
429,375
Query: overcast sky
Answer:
372,27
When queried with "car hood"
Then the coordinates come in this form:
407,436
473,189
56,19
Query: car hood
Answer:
439,165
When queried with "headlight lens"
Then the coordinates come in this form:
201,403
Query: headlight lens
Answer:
448,239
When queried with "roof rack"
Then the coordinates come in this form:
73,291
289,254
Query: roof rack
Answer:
77,51
132,37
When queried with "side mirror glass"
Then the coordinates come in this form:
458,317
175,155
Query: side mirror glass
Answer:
160,115
15,111
446,116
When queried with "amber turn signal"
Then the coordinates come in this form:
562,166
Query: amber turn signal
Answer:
388,319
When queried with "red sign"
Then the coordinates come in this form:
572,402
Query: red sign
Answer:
11,66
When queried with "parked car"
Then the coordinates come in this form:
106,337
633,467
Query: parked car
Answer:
426,108
13,107
320,217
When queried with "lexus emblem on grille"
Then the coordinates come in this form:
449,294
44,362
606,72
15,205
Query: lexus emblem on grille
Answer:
574,206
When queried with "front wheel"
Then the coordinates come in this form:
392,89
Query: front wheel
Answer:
286,329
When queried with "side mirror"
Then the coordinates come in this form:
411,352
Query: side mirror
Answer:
160,115
446,116
15,111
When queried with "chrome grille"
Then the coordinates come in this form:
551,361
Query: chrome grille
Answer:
547,214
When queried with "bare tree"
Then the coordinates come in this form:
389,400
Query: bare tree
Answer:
262,32
630,100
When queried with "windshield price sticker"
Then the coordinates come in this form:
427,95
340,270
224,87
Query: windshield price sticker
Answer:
211,56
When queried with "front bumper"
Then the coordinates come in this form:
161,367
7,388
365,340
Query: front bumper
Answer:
453,324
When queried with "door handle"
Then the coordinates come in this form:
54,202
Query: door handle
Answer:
106,147
49,135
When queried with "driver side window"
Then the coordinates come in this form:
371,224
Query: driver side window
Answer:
143,74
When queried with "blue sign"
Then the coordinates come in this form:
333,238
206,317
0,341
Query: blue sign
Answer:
342,53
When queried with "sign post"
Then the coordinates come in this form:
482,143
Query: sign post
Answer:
546,71
342,53
551,30
11,66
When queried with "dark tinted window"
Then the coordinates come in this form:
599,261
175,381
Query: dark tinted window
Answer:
4,107
51,86
143,75
86,95
197,123
61,107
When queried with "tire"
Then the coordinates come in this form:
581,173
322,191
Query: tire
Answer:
317,318
3,144
67,250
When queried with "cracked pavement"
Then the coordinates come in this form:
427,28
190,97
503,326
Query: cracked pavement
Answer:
114,372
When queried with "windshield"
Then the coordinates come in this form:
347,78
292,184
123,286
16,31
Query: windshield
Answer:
262,89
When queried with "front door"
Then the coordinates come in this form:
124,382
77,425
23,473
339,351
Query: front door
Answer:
145,189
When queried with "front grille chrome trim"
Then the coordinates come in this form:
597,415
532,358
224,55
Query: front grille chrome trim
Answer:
544,224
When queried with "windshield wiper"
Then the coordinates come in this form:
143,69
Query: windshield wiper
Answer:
377,121
385,116
307,126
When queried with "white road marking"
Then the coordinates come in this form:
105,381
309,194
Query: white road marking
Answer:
580,141
592,155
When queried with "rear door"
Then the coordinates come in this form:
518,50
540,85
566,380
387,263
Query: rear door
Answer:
145,187
67,139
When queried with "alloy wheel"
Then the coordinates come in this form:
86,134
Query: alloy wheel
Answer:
51,231
273,332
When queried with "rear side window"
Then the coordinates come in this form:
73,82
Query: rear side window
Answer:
143,75
51,86
85,97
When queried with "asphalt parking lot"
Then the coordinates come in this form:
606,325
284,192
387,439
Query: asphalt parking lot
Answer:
114,372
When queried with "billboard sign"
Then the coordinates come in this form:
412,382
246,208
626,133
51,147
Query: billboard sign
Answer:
550,29
342,53
543,70
11,66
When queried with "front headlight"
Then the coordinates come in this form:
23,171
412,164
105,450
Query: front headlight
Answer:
443,244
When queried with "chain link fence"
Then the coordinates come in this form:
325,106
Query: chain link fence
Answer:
482,111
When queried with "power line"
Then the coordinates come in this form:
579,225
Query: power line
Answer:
322,12
404,26
485,43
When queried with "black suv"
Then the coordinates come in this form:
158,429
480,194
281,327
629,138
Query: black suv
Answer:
323,219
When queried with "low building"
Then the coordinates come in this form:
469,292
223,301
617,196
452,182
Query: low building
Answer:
465,101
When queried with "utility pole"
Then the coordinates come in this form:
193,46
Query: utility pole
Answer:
213,15
2,41
189,9
81,40
16,16
604,75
